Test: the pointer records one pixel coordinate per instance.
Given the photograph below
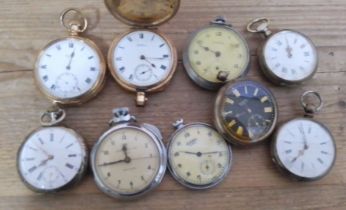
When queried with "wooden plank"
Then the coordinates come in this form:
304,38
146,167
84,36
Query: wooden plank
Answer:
254,183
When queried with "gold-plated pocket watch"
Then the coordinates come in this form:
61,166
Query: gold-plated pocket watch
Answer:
130,159
70,70
287,57
52,158
198,156
245,112
304,148
142,60
216,54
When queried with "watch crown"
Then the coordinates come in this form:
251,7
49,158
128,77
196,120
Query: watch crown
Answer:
178,124
121,115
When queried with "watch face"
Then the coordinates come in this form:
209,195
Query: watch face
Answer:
69,68
142,59
305,148
290,56
247,111
126,162
218,50
198,156
51,158
143,12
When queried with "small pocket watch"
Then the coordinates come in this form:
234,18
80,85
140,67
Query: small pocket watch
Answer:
198,156
215,55
245,112
304,148
287,57
52,158
71,70
129,159
142,60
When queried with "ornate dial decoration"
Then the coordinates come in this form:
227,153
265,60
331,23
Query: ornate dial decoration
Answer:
218,50
51,158
246,112
305,148
290,56
69,69
142,59
127,161
198,156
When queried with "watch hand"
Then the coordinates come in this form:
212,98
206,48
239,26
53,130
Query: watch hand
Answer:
288,48
300,153
157,58
112,163
217,53
145,59
44,162
68,67
199,154
301,130
42,150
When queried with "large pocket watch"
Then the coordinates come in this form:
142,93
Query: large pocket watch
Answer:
71,70
142,60
198,156
287,57
245,112
53,157
304,148
130,159
216,55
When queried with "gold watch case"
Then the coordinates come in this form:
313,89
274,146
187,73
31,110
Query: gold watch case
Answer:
143,15
78,24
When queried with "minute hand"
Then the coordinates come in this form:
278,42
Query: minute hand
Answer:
112,163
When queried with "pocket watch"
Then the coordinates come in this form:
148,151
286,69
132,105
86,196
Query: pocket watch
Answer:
52,158
304,148
142,60
130,159
287,57
70,70
198,156
245,112
215,55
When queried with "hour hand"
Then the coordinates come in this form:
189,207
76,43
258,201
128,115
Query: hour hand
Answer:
113,163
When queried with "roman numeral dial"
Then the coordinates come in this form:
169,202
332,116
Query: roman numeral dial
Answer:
47,162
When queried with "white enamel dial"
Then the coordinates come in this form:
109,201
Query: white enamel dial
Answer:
51,158
126,161
68,68
290,56
199,156
305,148
142,58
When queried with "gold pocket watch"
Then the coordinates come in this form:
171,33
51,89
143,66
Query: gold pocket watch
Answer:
304,148
52,158
70,70
245,112
198,156
142,60
287,57
216,55
130,159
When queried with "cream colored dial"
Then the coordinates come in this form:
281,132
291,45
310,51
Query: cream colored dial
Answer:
127,161
218,49
199,156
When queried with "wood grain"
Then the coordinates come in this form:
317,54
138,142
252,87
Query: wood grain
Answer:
254,183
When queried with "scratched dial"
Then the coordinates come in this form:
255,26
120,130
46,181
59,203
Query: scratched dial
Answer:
69,68
216,50
305,148
290,56
143,12
199,157
51,158
247,112
127,161
142,59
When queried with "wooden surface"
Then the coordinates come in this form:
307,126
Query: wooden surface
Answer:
254,183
